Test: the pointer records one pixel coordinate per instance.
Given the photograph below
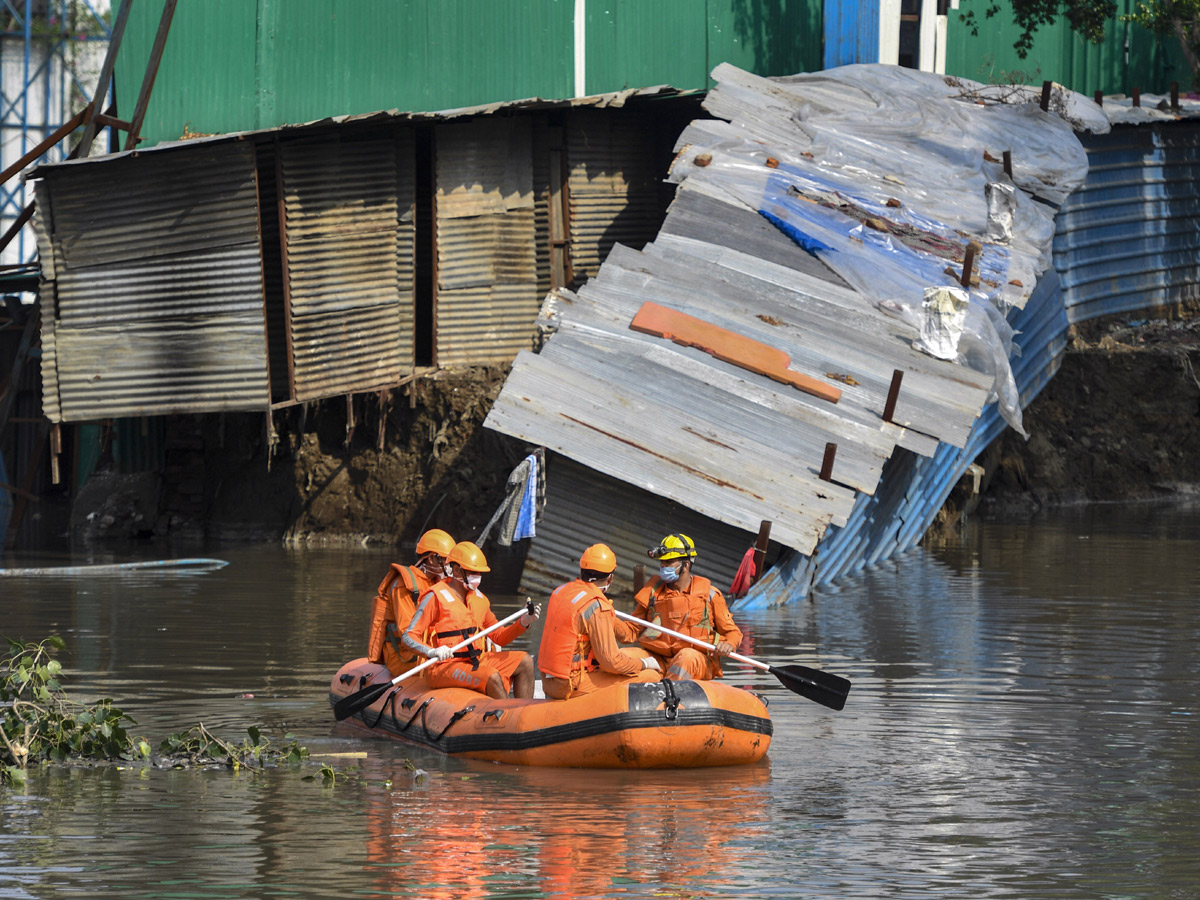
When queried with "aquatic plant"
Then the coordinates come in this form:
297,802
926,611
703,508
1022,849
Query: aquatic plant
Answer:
198,746
39,723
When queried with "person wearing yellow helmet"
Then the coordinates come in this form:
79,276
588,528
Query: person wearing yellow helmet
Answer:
396,601
579,652
685,602
451,612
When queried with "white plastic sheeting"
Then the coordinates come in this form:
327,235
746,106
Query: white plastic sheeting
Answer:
885,174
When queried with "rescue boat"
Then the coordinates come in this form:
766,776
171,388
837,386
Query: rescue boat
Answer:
639,725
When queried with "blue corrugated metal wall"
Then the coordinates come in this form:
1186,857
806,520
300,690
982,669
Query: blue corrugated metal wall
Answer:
851,32
1128,240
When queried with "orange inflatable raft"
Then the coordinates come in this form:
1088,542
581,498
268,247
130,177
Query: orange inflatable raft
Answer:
658,725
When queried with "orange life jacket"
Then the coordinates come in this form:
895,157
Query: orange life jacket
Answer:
458,620
564,649
394,605
689,613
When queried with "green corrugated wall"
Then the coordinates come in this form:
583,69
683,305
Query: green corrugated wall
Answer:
235,65
1061,55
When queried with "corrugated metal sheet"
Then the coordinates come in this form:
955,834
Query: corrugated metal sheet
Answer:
851,32
585,508
349,247
487,280
237,65
1128,56
154,284
612,186
234,65
1129,240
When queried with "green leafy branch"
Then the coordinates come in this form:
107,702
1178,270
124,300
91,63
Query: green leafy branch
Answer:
40,724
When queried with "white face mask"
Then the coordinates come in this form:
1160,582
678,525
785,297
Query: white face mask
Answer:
473,581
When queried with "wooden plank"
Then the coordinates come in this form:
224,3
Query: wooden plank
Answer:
749,354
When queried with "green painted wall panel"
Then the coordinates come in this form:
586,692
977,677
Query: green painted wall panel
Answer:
1060,55
767,37
236,65
232,65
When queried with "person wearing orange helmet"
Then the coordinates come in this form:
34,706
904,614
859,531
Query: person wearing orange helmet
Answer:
688,603
396,601
579,652
451,612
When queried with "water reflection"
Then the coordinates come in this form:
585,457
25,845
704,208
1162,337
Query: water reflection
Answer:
1023,724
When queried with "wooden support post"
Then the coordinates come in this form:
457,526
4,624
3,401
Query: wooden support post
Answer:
349,419
1099,98
160,40
106,70
1137,96
75,121
385,399
1175,95
56,451
1046,95
827,463
639,578
889,408
18,223
969,263
1008,163
760,549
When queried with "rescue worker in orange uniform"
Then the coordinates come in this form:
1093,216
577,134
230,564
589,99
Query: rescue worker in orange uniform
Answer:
396,601
579,651
453,610
688,603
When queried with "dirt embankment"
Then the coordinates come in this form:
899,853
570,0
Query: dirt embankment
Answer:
326,480
1120,421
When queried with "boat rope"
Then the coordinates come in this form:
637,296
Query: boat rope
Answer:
454,718
671,699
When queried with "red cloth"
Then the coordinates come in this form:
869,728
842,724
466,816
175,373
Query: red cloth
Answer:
745,575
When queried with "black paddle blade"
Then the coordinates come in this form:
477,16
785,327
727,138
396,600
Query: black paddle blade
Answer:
349,705
820,687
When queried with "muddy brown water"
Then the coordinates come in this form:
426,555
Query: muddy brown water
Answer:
1024,724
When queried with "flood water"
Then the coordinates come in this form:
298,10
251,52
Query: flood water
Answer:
1024,724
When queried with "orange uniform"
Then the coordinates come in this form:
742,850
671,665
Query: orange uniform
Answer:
579,652
394,605
700,611
448,618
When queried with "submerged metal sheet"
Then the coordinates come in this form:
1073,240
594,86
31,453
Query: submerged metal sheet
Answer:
585,508
349,245
487,278
153,287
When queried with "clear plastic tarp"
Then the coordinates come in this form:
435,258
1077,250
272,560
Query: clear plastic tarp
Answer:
888,175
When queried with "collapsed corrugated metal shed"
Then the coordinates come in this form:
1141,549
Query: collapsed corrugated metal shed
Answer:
727,444
245,271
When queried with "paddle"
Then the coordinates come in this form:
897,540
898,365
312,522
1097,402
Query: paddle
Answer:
352,703
820,687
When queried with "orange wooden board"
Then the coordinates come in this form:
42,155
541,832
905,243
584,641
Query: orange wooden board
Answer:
726,345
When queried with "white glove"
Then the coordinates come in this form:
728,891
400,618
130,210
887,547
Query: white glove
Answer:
527,619
441,654
651,663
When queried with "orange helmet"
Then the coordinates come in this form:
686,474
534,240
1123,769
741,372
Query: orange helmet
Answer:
598,558
468,556
435,541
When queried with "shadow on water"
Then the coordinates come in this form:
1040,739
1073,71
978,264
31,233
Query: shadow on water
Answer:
1022,724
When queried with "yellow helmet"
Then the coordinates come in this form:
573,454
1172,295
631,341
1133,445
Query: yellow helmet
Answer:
598,558
468,556
674,546
435,541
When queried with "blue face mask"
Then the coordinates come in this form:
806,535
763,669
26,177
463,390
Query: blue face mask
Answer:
669,574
